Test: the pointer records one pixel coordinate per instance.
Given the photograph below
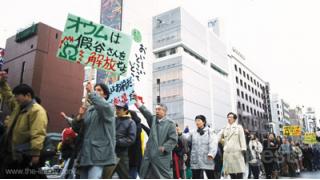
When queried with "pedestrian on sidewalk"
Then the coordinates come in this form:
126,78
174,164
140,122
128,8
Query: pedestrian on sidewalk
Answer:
255,149
234,148
156,163
203,149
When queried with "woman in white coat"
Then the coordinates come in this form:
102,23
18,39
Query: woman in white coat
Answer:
204,148
255,149
234,148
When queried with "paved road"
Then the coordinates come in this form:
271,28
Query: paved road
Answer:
306,175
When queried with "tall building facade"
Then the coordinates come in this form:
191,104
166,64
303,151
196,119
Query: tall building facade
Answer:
251,95
311,120
190,72
280,113
31,59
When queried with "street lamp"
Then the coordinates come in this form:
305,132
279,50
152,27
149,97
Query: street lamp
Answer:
158,97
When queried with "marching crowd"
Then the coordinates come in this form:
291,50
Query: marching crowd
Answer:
104,139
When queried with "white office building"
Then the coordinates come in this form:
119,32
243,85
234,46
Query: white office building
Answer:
280,114
250,95
190,72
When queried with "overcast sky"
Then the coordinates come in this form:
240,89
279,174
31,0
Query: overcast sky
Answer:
279,38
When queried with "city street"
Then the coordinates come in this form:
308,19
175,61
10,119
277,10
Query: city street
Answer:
152,89
306,175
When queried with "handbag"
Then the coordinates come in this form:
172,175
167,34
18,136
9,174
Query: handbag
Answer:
47,151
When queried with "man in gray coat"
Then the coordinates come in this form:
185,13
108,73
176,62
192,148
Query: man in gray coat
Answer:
163,138
98,132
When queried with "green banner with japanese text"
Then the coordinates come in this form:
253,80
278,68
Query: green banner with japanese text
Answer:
95,45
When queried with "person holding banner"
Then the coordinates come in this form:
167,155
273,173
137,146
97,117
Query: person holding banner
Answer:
97,123
162,140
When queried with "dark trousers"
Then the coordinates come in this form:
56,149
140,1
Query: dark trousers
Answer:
133,172
268,168
255,170
22,170
236,176
198,174
122,168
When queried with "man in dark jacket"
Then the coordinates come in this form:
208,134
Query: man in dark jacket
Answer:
125,136
135,150
163,138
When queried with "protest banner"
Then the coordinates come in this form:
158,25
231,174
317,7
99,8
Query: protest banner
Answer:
122,91
310,138
96,45
291,130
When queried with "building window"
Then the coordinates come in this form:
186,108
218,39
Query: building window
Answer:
173,51
161,54
250,99
242,95
238,92
243,107
244,74
22,72
57,35
256,92
241,82
251,111
277,105
253,101
278,112
249,88
239,105
235,67
247,108
237,79
240,71
248,77
255,83
245,85
246,96
251,79
31,46
255,112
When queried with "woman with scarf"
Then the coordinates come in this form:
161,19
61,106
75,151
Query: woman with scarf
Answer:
203,150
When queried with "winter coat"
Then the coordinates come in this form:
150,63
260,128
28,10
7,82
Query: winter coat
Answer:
162,133
125,134
255,148
99,133
135,150
203,146
234,144
31,124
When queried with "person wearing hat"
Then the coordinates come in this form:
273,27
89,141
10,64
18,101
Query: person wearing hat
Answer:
203,150
125,137
96,125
